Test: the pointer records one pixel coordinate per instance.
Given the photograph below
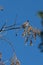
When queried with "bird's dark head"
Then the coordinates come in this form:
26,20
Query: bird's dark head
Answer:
27,20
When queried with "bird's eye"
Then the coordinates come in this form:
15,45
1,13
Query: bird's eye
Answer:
27,20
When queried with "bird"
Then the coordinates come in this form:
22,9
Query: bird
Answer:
24,25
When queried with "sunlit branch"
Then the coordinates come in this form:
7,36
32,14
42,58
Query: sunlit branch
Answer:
7,29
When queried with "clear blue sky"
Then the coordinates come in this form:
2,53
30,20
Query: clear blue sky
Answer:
25,9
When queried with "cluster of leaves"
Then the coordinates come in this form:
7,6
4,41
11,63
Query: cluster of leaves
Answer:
15,61
29,32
